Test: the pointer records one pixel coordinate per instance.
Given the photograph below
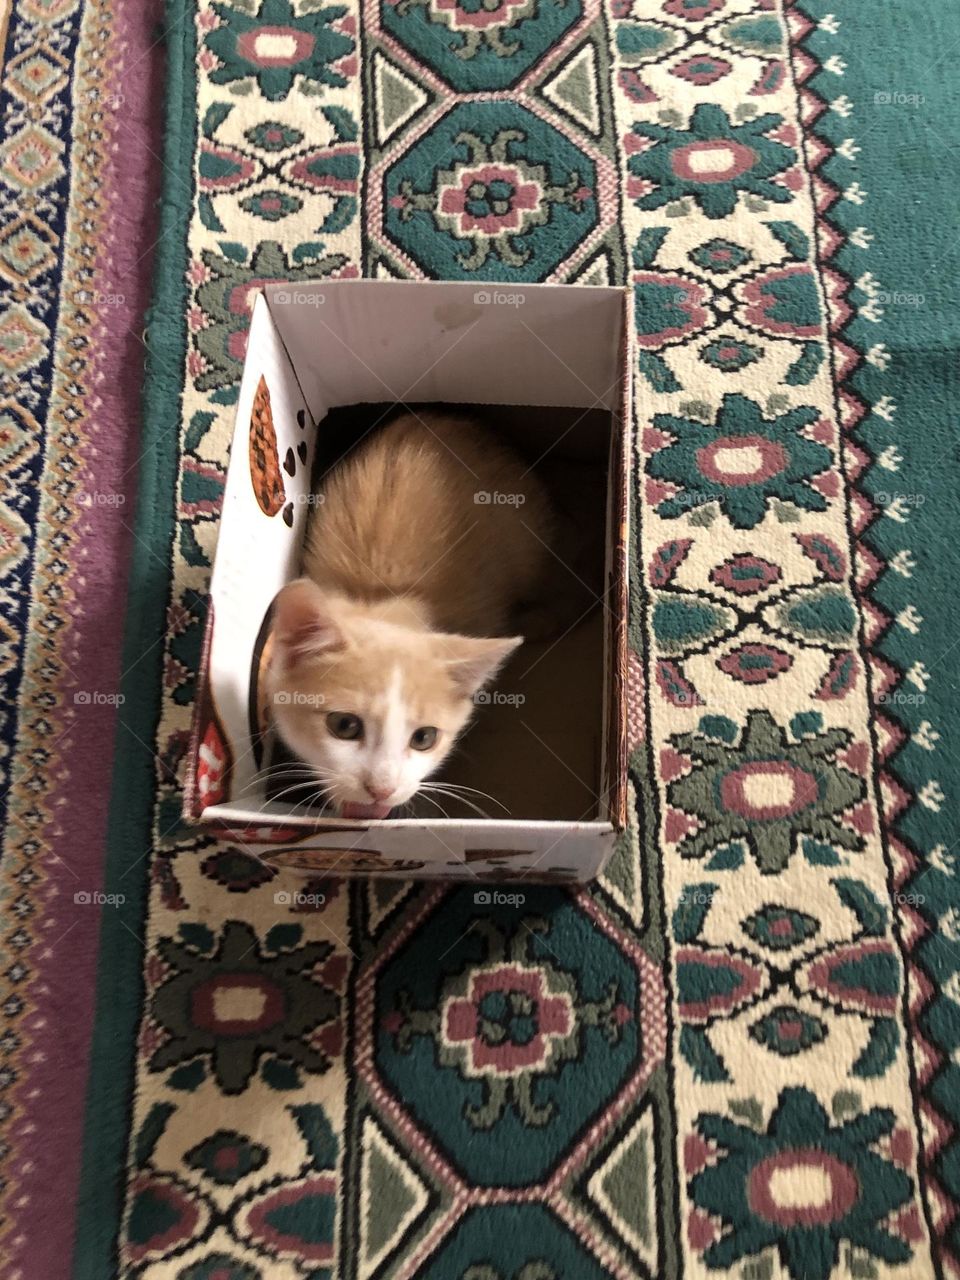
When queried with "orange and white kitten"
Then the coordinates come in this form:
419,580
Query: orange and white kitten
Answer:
429,538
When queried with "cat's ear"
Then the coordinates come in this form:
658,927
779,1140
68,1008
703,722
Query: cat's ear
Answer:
303,623
473,662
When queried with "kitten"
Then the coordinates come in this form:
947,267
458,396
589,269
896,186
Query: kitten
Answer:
429,539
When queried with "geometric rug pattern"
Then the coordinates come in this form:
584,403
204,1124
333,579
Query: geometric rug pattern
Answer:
731,1056
363,1129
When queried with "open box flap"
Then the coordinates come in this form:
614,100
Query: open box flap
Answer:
411,341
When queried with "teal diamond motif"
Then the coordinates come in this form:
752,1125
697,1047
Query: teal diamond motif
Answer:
730,355
720,256
491,192
227,1156
498,1038
271,136
787,1031
271,205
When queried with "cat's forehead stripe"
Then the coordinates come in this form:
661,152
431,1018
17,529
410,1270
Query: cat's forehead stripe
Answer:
393,712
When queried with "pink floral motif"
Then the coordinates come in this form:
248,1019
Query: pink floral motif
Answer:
490,199
480,16
702,69
755,663
262,46
514,1000
745,574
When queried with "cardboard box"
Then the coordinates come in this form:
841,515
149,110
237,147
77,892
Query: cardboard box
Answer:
552,364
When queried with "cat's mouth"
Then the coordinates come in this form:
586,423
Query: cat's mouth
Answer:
348,809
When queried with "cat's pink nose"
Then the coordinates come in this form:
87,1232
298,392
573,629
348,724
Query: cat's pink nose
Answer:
377,793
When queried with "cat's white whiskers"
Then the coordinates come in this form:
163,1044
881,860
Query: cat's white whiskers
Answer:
452,795
312,775
484,795
464,791
430,800
299,786
265,778
318,796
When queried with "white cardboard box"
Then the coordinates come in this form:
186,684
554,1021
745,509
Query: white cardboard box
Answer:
314,347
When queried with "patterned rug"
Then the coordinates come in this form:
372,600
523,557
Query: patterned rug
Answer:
735,1055
78,124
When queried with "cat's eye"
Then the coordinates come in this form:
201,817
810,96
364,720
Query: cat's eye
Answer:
344,725
424,738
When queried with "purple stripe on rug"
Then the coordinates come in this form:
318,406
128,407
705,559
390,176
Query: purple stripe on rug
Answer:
58,1027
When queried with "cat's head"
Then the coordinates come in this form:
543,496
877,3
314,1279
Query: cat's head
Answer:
373,706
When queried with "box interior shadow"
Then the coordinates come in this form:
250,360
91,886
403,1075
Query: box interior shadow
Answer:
534,749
